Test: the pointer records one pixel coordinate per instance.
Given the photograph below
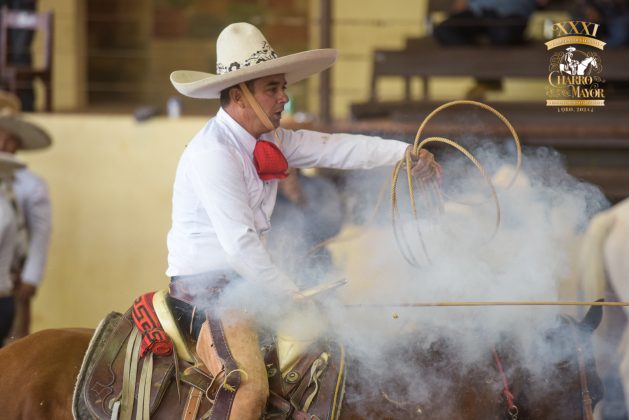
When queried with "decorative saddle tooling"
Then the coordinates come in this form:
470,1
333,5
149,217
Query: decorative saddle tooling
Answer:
142,365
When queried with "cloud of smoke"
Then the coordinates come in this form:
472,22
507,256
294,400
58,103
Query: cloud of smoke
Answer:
541,213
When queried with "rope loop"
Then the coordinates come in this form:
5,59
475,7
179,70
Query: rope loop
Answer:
431,189
434,197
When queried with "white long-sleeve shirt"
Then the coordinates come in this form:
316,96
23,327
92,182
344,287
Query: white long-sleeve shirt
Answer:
31,192
222,209
8,238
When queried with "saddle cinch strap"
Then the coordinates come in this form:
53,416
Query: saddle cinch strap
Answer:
123,408
148,337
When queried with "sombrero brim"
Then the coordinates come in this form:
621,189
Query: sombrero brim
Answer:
30,136
295,67
9,163
9,103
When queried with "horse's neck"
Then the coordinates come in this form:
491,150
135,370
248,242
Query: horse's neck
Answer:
584,64
616,249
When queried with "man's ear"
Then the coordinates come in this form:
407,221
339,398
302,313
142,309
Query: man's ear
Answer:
236,96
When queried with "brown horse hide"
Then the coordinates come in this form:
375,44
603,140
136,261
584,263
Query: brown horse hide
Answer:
38,373
437,383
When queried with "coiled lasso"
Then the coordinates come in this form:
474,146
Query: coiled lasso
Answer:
435,196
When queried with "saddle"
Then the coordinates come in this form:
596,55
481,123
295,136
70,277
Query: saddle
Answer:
116,383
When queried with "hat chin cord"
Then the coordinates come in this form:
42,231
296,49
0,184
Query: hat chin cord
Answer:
264,119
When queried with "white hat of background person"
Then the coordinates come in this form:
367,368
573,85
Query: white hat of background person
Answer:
9,163
29,135
243,54
571,49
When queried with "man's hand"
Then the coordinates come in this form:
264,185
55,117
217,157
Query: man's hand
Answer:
25,291
304,294
291,188
23,294
424,167
298,297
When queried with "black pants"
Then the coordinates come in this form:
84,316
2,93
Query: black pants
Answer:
7,313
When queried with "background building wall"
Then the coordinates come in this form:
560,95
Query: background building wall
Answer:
358,28
110,182
69,71
361,27
118,55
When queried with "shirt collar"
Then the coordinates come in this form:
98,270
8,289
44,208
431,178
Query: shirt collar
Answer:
241,135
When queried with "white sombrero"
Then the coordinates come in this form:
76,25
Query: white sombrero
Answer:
29,135
243,54
9,163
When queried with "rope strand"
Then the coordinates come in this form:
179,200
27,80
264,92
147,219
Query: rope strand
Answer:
433,191
488,303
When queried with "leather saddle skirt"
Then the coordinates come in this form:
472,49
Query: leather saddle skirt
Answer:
115,383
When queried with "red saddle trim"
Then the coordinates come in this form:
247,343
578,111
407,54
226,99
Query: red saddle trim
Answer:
154,337
269,161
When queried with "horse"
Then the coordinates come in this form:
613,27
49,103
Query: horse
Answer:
581,68
603,270
39,373
585,64
499,385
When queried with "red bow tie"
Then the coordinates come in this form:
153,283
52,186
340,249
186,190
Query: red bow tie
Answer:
269,161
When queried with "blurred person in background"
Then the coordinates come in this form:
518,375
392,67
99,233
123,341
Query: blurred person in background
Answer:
486,22
33,203
8,242
612,15
493,22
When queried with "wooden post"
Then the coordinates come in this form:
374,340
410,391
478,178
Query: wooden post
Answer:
407,88
325,41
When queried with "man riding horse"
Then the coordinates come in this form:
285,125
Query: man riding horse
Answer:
224,193
569,64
